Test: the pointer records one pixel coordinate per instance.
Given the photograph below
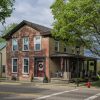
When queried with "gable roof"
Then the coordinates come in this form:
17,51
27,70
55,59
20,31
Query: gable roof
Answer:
2,45
42,29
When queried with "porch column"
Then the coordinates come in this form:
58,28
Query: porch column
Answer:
47,70
87,66
95,67
67,74
61,64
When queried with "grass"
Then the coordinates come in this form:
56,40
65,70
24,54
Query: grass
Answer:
96,83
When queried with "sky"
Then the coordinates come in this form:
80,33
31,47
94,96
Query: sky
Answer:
36,11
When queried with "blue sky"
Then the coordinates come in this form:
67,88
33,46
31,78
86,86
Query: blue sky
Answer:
36,11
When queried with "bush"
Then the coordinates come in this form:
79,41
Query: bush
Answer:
45,80
99,72
14,78
94,78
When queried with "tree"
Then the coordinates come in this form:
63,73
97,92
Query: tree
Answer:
6,8
6,30
78,20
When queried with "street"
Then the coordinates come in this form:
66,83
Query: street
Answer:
23,92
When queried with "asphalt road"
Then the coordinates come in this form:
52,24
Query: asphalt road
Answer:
23,92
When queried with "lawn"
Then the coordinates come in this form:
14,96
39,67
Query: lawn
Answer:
96,83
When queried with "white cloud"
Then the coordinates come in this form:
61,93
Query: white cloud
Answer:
37,11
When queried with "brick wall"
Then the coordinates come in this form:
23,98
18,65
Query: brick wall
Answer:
20,54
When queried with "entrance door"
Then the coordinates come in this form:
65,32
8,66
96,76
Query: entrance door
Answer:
39,68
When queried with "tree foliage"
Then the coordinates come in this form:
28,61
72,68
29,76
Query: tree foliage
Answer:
6,30
78,19
6,8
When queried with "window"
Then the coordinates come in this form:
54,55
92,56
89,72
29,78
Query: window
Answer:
25,43
57,46
26,66
14,65
14,44
3,68
37,43
65,49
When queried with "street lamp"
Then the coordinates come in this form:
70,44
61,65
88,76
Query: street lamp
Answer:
77,52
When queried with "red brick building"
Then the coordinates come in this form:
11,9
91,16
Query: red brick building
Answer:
32,51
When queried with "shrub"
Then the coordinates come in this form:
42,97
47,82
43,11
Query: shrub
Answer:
45,80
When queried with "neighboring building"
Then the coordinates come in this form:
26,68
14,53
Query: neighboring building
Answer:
32,51
88,53
3,59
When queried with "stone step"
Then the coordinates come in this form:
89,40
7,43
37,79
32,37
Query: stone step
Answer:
38,79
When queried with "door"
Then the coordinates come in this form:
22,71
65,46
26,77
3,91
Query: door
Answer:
39,68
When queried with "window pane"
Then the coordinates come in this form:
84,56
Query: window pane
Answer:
14,65
65,49
25,47
14,44
25,43
3,68
57,46
37,43
37,46
26,65
26,40
14,68
25,69
14,47
14,62
25,61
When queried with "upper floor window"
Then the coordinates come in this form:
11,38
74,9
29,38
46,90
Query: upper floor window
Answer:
26,65
57,46
37,43
14,44
14,65
25,43
65,49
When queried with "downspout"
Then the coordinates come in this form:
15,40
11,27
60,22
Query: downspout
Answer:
1,65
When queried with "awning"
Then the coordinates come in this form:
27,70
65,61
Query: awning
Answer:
66,55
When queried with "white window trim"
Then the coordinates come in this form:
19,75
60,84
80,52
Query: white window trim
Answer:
12,44
57,46
23,43
12,65
23,66
40,42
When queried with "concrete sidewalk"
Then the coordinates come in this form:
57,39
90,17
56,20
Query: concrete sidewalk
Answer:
42,85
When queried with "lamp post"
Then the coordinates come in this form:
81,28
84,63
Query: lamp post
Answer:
77,52
0,64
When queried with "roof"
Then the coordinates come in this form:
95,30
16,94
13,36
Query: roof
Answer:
2,45
42,29
72,56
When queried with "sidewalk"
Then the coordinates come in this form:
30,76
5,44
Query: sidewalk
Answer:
43,85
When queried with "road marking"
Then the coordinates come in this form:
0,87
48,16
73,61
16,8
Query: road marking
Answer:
54,94
93,97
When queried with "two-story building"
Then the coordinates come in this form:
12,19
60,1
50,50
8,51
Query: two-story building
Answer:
32,51
3,67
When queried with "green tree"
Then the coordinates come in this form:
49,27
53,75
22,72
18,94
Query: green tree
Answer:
6,30
6,8
78,19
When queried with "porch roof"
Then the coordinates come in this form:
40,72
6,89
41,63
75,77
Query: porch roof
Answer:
66,55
